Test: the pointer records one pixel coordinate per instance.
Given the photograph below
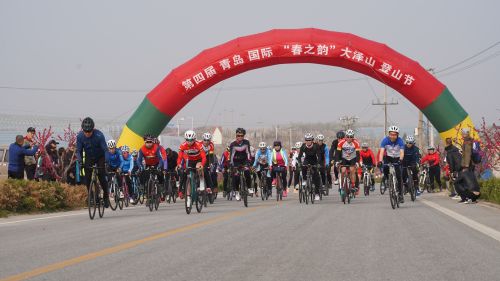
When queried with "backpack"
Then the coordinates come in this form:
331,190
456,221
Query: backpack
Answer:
476,153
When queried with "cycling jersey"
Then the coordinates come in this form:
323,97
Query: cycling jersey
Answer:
412,156
262,157
240,152
94,146
324,156
192,152
367,157
348,150
433,159
278,158
127,164
209,152
224,160
392,149
151,156
311,154
114,159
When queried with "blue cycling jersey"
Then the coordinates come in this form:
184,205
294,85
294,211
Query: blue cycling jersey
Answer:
114,159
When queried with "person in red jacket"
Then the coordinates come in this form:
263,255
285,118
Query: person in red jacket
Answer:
367,159
191,155
224,163
433,159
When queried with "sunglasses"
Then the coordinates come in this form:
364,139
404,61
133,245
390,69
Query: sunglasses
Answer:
349,137
149,142
240,136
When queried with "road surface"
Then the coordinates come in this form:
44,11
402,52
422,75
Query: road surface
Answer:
431,239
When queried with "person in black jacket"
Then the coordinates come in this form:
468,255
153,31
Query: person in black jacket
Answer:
454,160
333,152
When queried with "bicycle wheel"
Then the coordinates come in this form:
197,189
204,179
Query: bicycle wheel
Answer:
188,202
348,189
200,200
343,190
263,191
119,197
156,196
141,194
149,200
100,201
392,196
92,199
382,186
366,187
112,189
411,186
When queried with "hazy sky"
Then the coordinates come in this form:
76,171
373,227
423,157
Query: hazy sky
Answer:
133,45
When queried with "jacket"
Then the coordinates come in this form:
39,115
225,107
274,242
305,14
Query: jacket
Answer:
94,147
453,158
16,156
272,157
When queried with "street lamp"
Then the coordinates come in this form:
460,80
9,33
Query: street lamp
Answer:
178,126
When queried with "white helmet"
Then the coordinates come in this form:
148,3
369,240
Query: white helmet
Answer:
125,148
308,136
349,133
190,135
298,144
262,144
320,137
111,144
207,136
394,129
410,139
363,145
431,147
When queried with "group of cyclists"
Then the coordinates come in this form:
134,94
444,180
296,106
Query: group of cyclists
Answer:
241,165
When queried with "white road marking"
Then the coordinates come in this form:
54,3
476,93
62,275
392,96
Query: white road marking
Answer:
486,230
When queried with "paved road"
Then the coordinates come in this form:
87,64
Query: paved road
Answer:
366,240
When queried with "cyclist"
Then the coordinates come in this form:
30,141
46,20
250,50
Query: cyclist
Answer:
209,171
433,159
224,168
261,162
126,167
311,152
240,156
411,160
114,160
294,164
333,154
279,161
193,155
367,159
92,142
324,161
392,151
348,155
150,153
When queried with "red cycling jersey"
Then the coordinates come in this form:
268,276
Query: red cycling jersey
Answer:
367,157
193,152
433,159
151,155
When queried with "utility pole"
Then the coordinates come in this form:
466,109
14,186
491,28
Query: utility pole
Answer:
385,104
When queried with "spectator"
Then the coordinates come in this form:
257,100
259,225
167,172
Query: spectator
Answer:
50,162
454,160
69,164
467,164
17,152
30,161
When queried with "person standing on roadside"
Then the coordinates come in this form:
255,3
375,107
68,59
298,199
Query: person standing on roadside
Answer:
17,152
30,161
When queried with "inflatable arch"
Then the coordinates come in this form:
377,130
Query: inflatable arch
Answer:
283,46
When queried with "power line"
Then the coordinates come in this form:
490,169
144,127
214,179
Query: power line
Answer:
490,57
467,59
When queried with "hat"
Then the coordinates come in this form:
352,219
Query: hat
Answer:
31,129
53,142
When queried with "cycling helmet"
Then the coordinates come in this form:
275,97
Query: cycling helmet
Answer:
241,131
410,139
262,145
349,133
148,138
190,135
88,124
277,143
430,147
308,137
364,145
320,137
125,148
134,153
111,144
394,129
207,136
298,144
340,134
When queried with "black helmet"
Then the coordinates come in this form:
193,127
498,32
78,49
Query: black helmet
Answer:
277,143
148,137
88,124
340,134
241,131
